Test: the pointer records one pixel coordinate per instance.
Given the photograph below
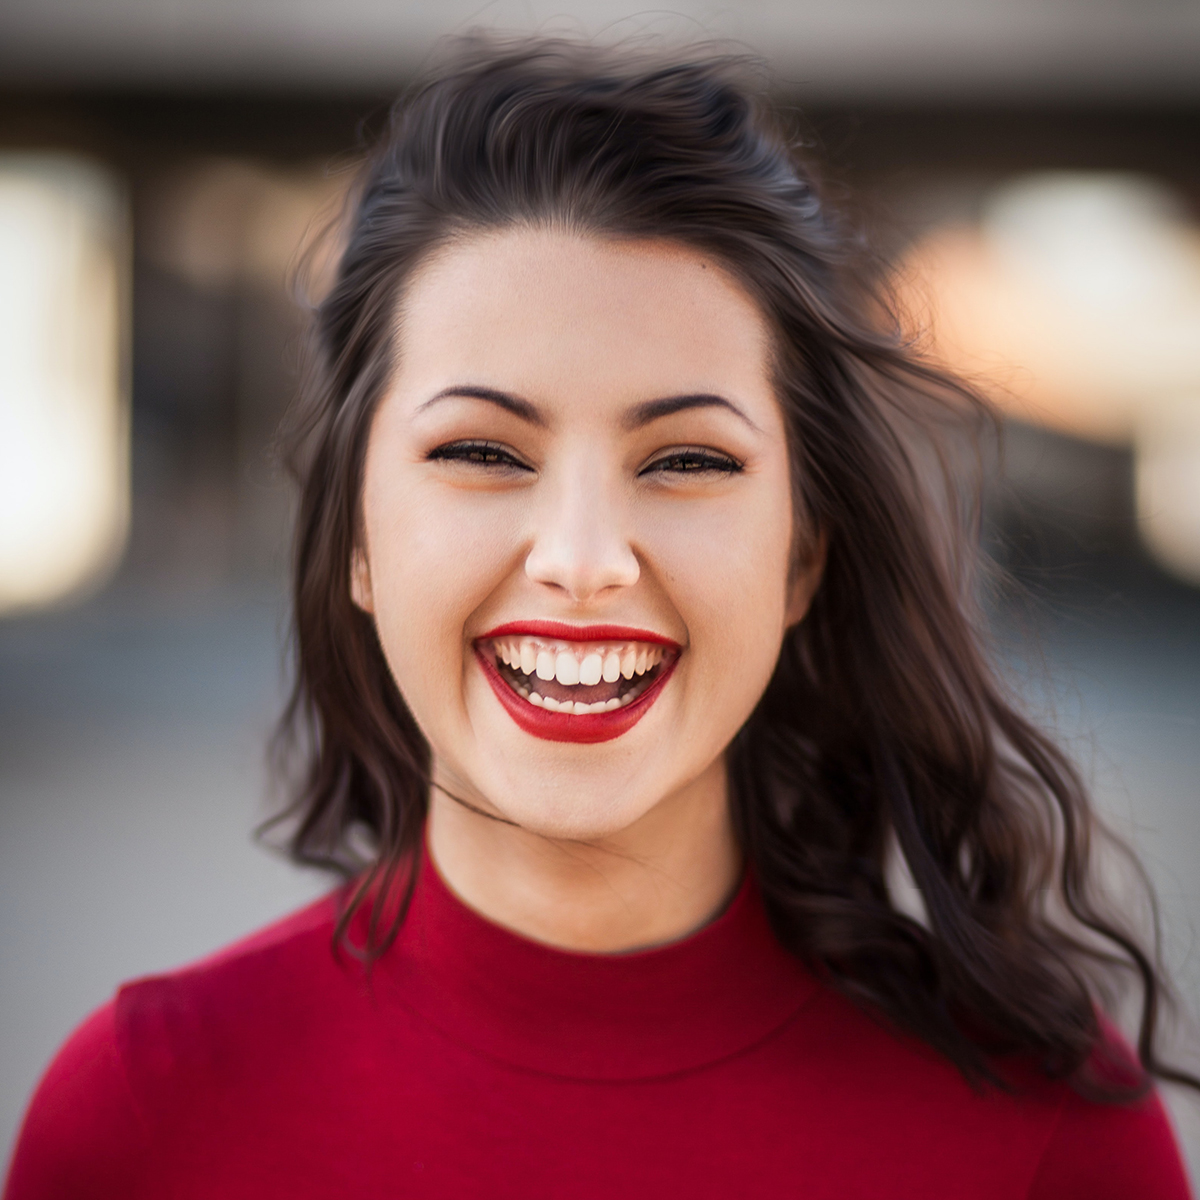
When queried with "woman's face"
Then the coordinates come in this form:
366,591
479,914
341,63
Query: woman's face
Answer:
577,523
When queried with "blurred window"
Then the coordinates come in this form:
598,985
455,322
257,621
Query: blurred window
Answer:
64,413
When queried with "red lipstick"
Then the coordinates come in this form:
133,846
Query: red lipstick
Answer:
570,727
562,632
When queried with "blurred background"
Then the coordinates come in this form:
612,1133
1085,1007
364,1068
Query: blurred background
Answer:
1030,167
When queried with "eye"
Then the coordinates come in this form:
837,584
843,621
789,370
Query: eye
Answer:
692,460
481,453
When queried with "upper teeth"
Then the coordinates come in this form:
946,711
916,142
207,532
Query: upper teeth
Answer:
573,663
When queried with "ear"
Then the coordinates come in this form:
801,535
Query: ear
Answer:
806,580
360,582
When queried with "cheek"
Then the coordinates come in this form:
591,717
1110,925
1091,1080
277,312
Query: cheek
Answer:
433,560
727,569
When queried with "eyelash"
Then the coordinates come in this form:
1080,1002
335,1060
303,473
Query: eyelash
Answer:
486,454
685,462
681,462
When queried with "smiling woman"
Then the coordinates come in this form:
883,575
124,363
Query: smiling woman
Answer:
574,425
636,648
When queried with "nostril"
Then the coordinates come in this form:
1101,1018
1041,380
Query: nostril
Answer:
581,574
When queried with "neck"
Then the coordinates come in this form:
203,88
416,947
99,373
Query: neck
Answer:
656,881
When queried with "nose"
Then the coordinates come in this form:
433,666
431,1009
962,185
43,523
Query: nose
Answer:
581,544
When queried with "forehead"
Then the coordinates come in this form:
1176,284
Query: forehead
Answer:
557,313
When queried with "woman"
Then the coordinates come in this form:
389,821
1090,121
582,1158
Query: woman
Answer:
636,662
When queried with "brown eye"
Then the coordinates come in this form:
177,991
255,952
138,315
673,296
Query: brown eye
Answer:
693,462
485,454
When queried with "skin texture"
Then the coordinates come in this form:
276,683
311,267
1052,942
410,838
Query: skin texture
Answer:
628,842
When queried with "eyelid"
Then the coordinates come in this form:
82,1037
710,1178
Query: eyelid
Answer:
464,446
722,459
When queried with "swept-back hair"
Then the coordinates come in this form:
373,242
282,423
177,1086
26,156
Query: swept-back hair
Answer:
884,732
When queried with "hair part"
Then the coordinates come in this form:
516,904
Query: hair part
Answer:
884,727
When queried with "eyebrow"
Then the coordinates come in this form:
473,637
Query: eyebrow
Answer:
637,417
654,410
513,404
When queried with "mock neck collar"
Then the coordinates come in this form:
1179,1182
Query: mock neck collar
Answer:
628,1016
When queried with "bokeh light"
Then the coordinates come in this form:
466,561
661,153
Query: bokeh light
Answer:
64,437
1075,302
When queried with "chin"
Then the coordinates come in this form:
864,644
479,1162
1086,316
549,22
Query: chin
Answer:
582,814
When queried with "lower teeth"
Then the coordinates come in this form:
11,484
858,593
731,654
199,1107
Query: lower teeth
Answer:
574,707
577,708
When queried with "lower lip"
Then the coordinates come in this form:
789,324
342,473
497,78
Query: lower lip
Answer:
564,727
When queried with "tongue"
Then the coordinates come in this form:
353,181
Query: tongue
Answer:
581,693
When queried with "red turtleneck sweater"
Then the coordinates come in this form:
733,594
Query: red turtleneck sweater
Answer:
477,1063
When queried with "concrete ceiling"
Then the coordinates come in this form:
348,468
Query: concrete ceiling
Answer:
1006,50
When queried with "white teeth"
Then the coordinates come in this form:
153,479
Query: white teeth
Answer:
577,708
529,656
591,669
577,664
566,668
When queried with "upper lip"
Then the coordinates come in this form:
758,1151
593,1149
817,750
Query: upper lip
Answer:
561,631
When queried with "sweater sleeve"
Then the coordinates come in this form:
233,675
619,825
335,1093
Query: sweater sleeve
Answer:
82,1136
1111,1152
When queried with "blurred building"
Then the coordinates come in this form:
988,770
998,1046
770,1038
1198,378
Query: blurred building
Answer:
133,706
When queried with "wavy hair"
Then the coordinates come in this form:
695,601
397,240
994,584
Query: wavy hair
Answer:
884,731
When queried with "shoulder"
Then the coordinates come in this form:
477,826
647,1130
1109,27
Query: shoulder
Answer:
92,1118
210,1023
1103,1151
82,1132
239,983
1046,1140
1110,1151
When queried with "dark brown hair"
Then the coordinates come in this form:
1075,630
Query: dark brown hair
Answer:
884,730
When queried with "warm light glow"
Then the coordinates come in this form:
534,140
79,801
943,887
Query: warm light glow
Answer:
64,435
1167,474
1075,302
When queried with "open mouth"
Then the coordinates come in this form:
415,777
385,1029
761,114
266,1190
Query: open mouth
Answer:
584,688
577,677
